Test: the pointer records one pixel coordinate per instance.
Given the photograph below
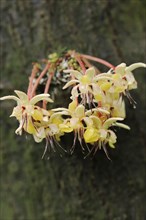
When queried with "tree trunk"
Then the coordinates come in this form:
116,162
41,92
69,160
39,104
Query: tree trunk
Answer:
71,188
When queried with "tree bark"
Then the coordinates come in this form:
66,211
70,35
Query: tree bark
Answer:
70,187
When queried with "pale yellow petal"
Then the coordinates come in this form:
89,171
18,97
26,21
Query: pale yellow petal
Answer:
135,66
74,73
98,97
11,97
72,106
100,77
104,74
19,129
102,110
37,115
56,120
88,121
39,135
110,121
132,84
116,76
80,111
53,129
65,128
37,139
40,97
91,135
103,134
85,80
96,121
90,73
58,114
75,123
59,109
17,112
122,125
23,97
29,127
74,92
120,69
113,137
70,83
106,86
111,145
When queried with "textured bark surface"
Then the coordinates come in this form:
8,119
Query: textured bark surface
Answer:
72,188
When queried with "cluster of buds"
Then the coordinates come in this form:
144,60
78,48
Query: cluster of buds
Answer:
97,102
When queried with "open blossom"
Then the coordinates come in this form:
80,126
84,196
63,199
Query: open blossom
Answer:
84,83
126,73
116,107
48,127
26,112
98,130
74,122
98,133
123,78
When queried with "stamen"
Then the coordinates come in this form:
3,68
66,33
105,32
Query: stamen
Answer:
131,100
105,150
46,147
74,142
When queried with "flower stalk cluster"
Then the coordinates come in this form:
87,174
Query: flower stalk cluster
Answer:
97,102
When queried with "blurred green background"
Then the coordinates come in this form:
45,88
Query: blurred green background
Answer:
71,188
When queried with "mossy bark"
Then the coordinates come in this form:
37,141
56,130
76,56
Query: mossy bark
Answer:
72,188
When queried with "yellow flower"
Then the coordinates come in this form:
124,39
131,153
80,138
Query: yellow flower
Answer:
74,121
98,131
116,106
91,135
124,78
98,134
98,93
49,128
84,83
26,112
109,93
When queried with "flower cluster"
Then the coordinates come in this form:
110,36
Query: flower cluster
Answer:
96,106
